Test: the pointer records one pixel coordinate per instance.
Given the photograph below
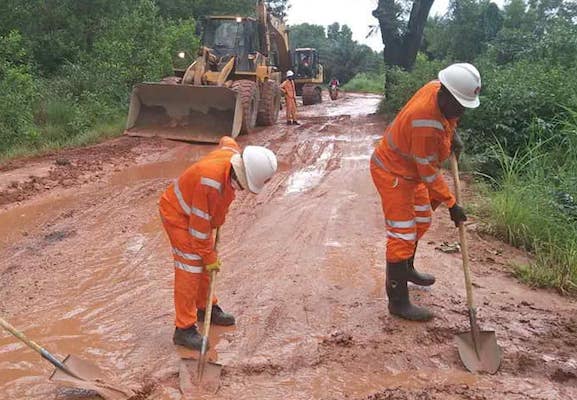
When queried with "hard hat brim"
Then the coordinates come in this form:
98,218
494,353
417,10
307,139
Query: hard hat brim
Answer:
465,102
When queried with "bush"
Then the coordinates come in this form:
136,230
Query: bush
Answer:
401,85
518,101
18,93
366,83
93,90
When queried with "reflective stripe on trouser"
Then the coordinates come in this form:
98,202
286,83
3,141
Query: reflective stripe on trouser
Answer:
407,212
291,109
191,281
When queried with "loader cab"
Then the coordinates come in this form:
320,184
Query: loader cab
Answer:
306,62
233,36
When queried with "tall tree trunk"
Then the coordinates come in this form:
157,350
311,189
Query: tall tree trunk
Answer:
401,45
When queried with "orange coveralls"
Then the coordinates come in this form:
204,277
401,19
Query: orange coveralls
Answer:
290,95
405,170
192,206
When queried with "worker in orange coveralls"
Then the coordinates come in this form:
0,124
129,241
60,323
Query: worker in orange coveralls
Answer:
405,171
290,95
191,208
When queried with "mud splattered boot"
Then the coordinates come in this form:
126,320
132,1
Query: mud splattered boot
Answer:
218,316
398,293
418,278
188,337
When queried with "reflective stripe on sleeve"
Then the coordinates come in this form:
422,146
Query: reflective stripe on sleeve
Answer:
409,237
211,182
180,199
425,160
187,256
426,207
230,148
423,220
199,213
188,268
427,123
401,224
430,178
197,234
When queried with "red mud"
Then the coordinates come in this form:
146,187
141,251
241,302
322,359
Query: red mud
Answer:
86,269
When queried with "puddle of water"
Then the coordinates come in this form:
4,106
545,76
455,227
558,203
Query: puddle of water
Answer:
310,177
166,169
19,220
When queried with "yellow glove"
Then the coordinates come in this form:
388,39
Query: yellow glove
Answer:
215,266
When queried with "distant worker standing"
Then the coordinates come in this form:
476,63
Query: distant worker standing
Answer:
290,95
405,171
191,208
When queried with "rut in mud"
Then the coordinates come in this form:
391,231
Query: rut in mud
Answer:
86,269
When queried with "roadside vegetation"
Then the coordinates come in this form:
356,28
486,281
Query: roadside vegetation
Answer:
366,82
521,141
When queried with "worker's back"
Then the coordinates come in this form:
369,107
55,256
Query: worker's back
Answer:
421,111
207,183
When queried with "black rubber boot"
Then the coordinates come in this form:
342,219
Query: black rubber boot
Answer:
189,338
398,293
218,316
417,277
289,122
295,122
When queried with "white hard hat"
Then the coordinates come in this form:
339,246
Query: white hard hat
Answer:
289,73
464,82
259,166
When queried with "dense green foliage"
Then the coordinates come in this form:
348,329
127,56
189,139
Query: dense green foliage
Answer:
522,137
366,82
341,56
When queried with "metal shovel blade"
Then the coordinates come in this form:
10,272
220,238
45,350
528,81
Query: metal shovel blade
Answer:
89,377
189,382
487,356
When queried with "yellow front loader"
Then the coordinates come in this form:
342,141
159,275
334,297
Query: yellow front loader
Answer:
231,87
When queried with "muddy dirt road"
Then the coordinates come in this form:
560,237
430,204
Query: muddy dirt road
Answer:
85,268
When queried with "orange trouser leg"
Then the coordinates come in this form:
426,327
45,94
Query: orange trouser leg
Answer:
291,109
191,282
423,212
398,201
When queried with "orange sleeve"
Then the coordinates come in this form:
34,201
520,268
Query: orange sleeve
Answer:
199,225
426,147
227,141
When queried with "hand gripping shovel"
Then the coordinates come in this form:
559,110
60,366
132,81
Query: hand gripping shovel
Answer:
75,372
207,372
478,349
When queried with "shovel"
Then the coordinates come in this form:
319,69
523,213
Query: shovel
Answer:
207,372
478,349
74,371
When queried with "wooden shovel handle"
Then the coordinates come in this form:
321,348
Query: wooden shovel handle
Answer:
33,345
463,235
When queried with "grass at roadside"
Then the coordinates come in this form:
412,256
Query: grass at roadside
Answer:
50,139
532,206
366,83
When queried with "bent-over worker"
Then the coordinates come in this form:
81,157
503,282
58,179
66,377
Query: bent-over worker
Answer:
191,208
405,171
290,94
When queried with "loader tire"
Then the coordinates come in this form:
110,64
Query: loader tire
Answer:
312,94
269,105
249,97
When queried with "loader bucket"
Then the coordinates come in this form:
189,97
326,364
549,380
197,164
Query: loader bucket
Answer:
184,112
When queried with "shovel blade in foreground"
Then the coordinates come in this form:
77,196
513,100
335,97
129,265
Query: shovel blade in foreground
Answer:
489,356
189,384
91,378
